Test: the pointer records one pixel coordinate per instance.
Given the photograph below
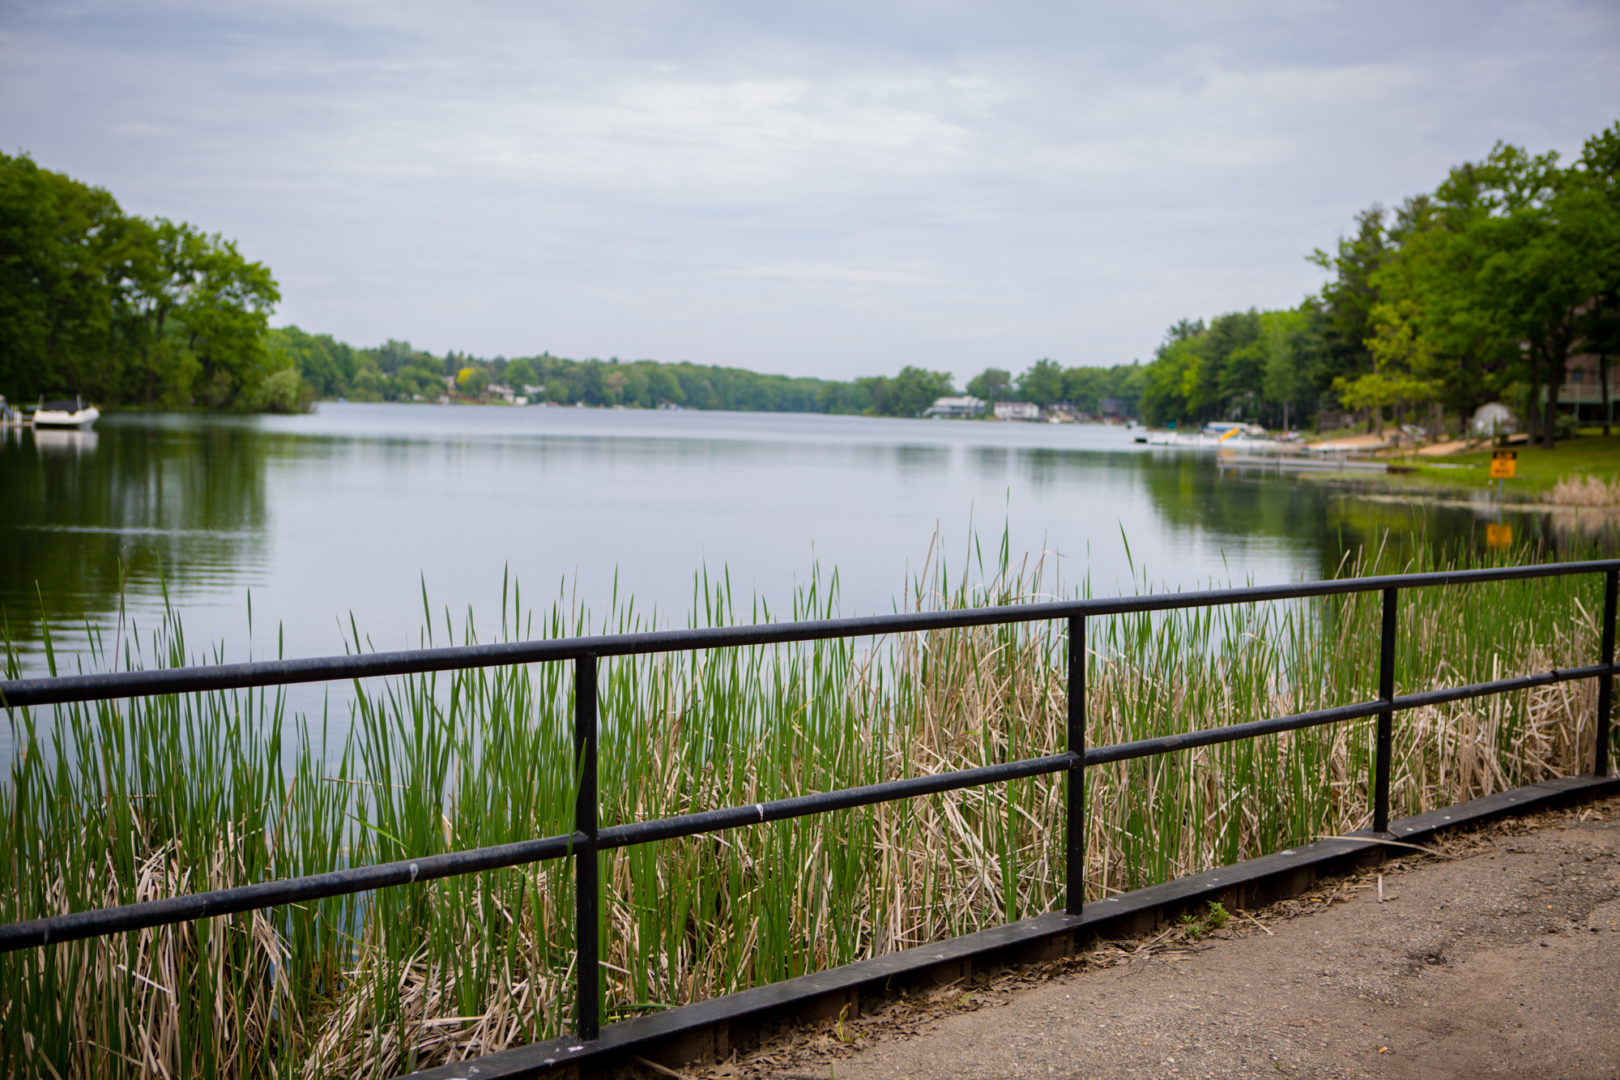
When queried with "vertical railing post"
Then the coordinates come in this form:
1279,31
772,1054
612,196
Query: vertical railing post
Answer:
587,902
1600,756
1386,715
1075,847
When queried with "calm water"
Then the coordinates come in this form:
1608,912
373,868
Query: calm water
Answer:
350,511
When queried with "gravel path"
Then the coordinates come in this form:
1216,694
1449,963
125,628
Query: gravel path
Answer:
1501,957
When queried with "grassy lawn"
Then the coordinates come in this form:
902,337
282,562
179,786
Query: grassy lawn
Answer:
1538,469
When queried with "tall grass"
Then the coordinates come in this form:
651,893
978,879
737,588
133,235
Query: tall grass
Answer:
113,802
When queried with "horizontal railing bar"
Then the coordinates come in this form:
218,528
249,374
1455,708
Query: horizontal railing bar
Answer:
19,693
642,832
99,922
103,921
1500,686
1164,744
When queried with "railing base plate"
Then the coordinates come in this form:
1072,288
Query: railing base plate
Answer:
710,1030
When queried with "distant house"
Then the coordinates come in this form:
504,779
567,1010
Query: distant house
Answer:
1112,408
1017,410
956,408
1583,388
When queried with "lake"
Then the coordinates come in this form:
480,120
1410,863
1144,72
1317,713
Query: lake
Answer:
350,512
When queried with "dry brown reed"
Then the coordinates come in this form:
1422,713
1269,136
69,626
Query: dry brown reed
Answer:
1584,490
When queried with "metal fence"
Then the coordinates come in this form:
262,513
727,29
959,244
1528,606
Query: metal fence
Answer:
587,840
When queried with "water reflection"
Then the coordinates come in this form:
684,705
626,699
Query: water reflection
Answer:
126,509
990,461
355,509
73,443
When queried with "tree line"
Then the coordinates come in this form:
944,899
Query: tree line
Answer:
1480,290
128,310
395,371
1047,383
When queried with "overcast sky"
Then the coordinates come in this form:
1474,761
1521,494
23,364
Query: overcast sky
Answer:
824,189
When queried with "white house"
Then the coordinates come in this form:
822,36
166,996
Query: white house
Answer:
956,408
1017,410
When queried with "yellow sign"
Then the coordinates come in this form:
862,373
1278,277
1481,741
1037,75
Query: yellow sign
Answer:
1498,536
1503,464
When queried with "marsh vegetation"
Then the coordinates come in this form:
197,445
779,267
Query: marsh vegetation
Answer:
114,802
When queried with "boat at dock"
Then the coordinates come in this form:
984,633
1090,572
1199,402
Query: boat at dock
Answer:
1233,439
68,413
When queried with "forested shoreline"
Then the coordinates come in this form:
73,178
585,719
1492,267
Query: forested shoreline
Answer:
395,371
1480,290
129,311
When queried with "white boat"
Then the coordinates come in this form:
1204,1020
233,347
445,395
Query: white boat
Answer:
72,413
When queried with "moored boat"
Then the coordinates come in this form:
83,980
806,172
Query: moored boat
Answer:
68,413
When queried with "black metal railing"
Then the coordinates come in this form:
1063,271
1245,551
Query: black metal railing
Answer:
587,840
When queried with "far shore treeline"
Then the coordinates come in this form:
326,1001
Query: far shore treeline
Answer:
397,372
1480,290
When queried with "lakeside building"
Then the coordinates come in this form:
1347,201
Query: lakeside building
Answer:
1017,410
956,408
1582,389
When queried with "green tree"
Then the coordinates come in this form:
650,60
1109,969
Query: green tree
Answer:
282,391
1085,387
121,308
1288,346
1228,384
1173,374
1589,206
224,311
416,381
1535,279
1431,277
58,298
665,387
1126,384
1348,297
519,374
908,393
367,384
991,384
1042,383
327,365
